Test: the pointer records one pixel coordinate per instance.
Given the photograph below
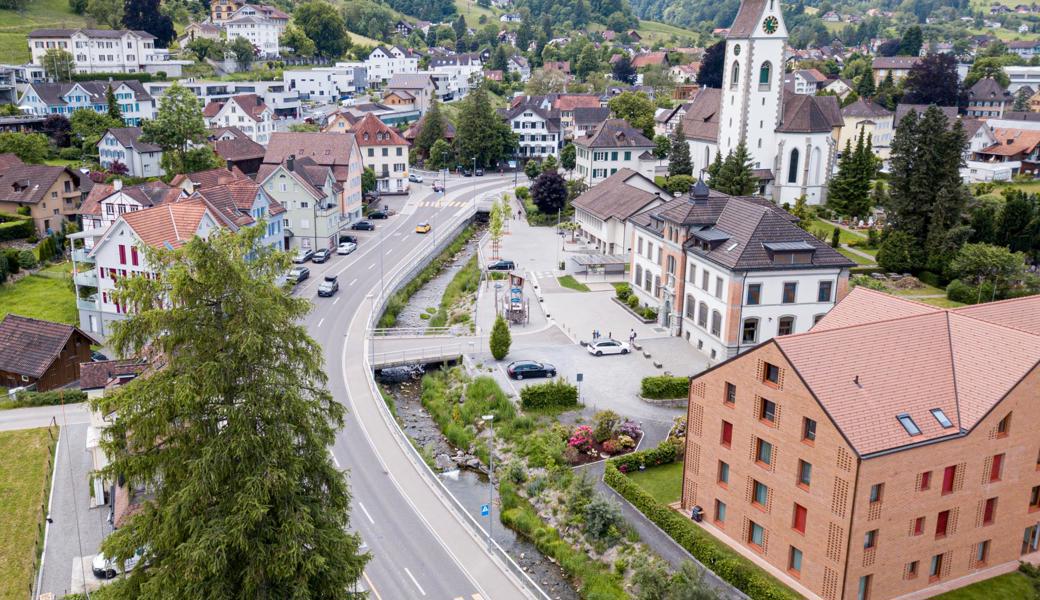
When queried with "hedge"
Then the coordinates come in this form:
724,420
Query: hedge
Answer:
665,387
50,398
713,554
553,394
665,453
18,228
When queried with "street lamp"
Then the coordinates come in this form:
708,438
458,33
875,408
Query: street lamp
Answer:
474,181
490,420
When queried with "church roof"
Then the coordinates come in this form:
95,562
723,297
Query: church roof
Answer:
747,18
701,121
810,114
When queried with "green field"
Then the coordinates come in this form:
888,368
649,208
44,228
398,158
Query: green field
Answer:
568,281
16,25
472,11
46,295
664,483
856,258
25,460
1012,585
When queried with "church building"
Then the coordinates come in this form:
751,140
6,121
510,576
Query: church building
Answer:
791,138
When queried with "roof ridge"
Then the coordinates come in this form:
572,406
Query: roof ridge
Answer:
953,371
865,324
994,323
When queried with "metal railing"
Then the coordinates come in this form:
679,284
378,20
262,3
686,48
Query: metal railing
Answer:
422,332
442,353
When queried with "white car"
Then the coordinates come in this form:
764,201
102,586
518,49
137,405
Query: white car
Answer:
346,248
105,568
608,346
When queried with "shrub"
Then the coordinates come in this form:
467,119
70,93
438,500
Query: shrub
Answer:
665,387
873,238
16,228
47,249
649,313
523,193
26,259
50,398
958,291
603,424
665,453
11,254
3,268
630,428
516,472
500,338
633,302
581,439
71,153
603,519
552,394
624,442
623,291
545,448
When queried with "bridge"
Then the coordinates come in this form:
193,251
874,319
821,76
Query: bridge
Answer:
409,346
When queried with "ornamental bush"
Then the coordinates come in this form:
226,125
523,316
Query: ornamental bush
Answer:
552,394
665,387
500,339
623,291
604,423
51,398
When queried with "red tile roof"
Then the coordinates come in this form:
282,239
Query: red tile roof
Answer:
173,224
370,131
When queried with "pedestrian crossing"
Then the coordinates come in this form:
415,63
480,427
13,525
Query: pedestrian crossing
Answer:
441,204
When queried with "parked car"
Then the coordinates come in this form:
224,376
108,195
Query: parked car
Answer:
414,178
322,255
344,238
528,368
105,568
363,226
467,173
371,195
479,172
329,286
97,356
378,214
502,265
346,248
423,227
298,274
608,346
303,256
438,186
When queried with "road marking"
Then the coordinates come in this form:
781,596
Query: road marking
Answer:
337,299
320,321
412,577
352,282
371,587
335,460
367,515
371,266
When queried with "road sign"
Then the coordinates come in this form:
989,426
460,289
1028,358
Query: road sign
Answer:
580,377
485,510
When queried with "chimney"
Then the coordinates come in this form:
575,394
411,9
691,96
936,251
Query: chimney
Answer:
230,165
290,162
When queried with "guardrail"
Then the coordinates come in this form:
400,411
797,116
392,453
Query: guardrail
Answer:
422,355
413,331
395,281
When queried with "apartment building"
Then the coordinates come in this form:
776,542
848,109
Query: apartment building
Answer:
123,145
385,152
870,118
385,62
285,102
327,84
339,151
537,130
262,25
247,112
135,103
887,453
310,195
611,146
727,273
106,202
106,50
988,99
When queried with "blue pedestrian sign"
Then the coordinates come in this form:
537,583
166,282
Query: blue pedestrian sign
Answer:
485,510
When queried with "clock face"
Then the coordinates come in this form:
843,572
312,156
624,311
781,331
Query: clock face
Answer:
770,25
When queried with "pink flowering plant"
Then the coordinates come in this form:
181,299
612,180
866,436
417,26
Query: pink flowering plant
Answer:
581,438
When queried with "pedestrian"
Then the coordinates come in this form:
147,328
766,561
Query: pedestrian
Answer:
610,335
632,336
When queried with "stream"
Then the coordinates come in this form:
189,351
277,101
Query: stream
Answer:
429,296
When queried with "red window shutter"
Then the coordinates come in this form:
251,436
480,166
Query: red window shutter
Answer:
133,255
948,476
122,254
104,296
994,471
940,523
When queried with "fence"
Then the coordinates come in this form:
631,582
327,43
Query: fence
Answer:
41,526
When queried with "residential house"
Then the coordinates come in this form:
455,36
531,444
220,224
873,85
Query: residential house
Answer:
563,66
585,119
41,355
327,84
105,202
243,203
123,145
685,74
247,112
285,102
889,472
1022,75
1034,102
603,212
403,28
727,273
189,183
135,103
262,25
415,89
1027,49
106,50
237,149
1016,152
385,152
805,81
650,59
511,18
340,151
566,104
494,75
898,66
987,98
413,130
839,87
537,129
457,73
198,31
97,377
50,193
310,195
518,64
613,145
222,10
870,118
667,119
383,63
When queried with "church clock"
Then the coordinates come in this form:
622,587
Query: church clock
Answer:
770,25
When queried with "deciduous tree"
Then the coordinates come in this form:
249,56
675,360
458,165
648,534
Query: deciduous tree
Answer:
206,48
30,147
569,157
58,128
59,64
712,65
295,38
636,108
88,127
933,80
178,123
324,25
623,70
243,51
145,15
549,192
106,12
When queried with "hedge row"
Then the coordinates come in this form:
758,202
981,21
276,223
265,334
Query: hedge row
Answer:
552,394
50,398
713,554
16,229
665,387
665,453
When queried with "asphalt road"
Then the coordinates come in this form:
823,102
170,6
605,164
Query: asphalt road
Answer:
409,559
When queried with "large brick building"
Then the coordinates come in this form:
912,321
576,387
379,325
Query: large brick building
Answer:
890,452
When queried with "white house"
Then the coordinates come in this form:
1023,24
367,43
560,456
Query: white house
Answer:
455,74
134,101
416,90
261,25
275,94
123,145
385,152
246,112
610,147
106,50
339,151
106,202
603,212
519,65
385,62
537,130
326,84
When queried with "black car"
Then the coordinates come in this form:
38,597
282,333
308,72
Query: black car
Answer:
347,238
321,256
298,274
377,214
97,356
529,368
502,265
480,173
363,226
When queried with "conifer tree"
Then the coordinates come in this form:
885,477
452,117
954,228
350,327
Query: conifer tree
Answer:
679,157
735,178
714,169
113,105
432,129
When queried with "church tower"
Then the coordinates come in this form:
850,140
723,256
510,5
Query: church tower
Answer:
753,81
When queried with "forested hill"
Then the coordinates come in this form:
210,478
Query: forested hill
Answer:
427,10
614,14
687,12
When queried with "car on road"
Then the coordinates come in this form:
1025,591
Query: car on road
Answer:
322,255
502,265
298,274
423,227
329,286
303,256
467,173
346,248
479,172
522,369
607,346
415,178
438,186
105,568
378,214
363,226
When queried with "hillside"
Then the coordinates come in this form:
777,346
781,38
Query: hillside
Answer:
16,25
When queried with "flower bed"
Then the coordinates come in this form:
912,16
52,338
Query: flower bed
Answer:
609,436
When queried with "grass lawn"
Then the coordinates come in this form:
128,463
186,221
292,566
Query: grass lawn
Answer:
940,302
15,26
473,11
46,295
664,483
926,290
653,31
57,162
571,283
847,237
1010,585
856,258
24,477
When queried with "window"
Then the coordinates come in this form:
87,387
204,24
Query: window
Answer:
760,494
911,569
800,516
941,522
940,416
731,394
804,474
785,326
763,452
133,255
996,468
935,570
981,552
723,473
716,322
122,254
756,535
989,513
718,287
749,334
792,169
720,511
823,293
790,292
918,525
705,278
794,561
767,411
926,481
771,374
808,430
949,474
702,314
864,588
727,433
870,539
735,75
908,424
876,492
754,293
1004,426
764,75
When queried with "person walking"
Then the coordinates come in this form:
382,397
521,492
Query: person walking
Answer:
632,337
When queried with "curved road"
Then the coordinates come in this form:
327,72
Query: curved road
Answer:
412,556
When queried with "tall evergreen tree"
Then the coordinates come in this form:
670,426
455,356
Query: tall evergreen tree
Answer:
848,192
735,178
865,86
113,105
679,162
887,93
911,42
231,436
481,134
431,129
714,170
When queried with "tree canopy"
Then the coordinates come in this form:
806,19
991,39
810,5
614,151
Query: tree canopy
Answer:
679,162
480,133
178,123
712,65
933,80
145,15
623,70
30,147
549,192
849,191
324,25
637,109
735,176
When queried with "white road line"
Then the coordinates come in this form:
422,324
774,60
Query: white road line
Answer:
371,266
352,282
367,515
335,460
335,301
320,321
371,587
412,577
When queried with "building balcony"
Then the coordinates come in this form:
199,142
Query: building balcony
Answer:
90,303
82,255
86,278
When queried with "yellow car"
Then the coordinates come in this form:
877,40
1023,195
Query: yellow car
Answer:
423,228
